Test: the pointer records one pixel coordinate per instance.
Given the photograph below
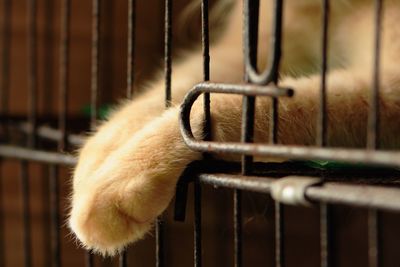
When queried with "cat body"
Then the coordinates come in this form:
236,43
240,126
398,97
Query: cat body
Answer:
128,169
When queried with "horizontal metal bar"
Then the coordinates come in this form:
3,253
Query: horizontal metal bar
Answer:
239,89
361,195
53,134
384,158
16,152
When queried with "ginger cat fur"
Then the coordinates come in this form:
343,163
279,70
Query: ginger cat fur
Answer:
128,169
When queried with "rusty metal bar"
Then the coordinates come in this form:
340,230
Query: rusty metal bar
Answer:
383,158
373,238
197,224
322,118
22,153
237,225
366,196
5,56
64,72
373,133
26,214
51,134
159,242
325,234
168,97
95,64
123,260
32,69
55,217
269,74
89,259
325,220
32,118
130,77
2,219
168,52
373,116
4,101
279,235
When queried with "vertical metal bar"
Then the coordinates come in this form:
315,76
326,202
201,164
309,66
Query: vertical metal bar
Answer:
167,73
5,56
131,48
167,51
32,116
322,119
206,66
373,238
159,242
48,57
237,224
279,232
89,259
373,116
325,225
206,130
123,262
250,31
374,133
64,72
2,219
26,214
4,100
197,224
32,70
325,235
168,98
55,217
123,259
277,37
95,60
95,65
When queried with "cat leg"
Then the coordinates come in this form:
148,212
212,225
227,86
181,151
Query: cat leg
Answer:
117,202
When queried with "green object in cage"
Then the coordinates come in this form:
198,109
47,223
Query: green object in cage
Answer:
102,112
330,165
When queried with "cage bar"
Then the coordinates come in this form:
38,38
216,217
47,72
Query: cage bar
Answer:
367,196
95,64
160,242
55,216
32,70
373,132
197,224
5,59
2,216
130,77
325,224
64,72
279,235
94,90
325,234
168,51
4,101
373,238
26,214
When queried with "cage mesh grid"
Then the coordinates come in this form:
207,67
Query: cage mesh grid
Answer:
259,84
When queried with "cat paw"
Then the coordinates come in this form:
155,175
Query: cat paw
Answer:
116,200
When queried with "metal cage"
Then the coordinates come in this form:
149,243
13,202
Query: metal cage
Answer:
323,190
